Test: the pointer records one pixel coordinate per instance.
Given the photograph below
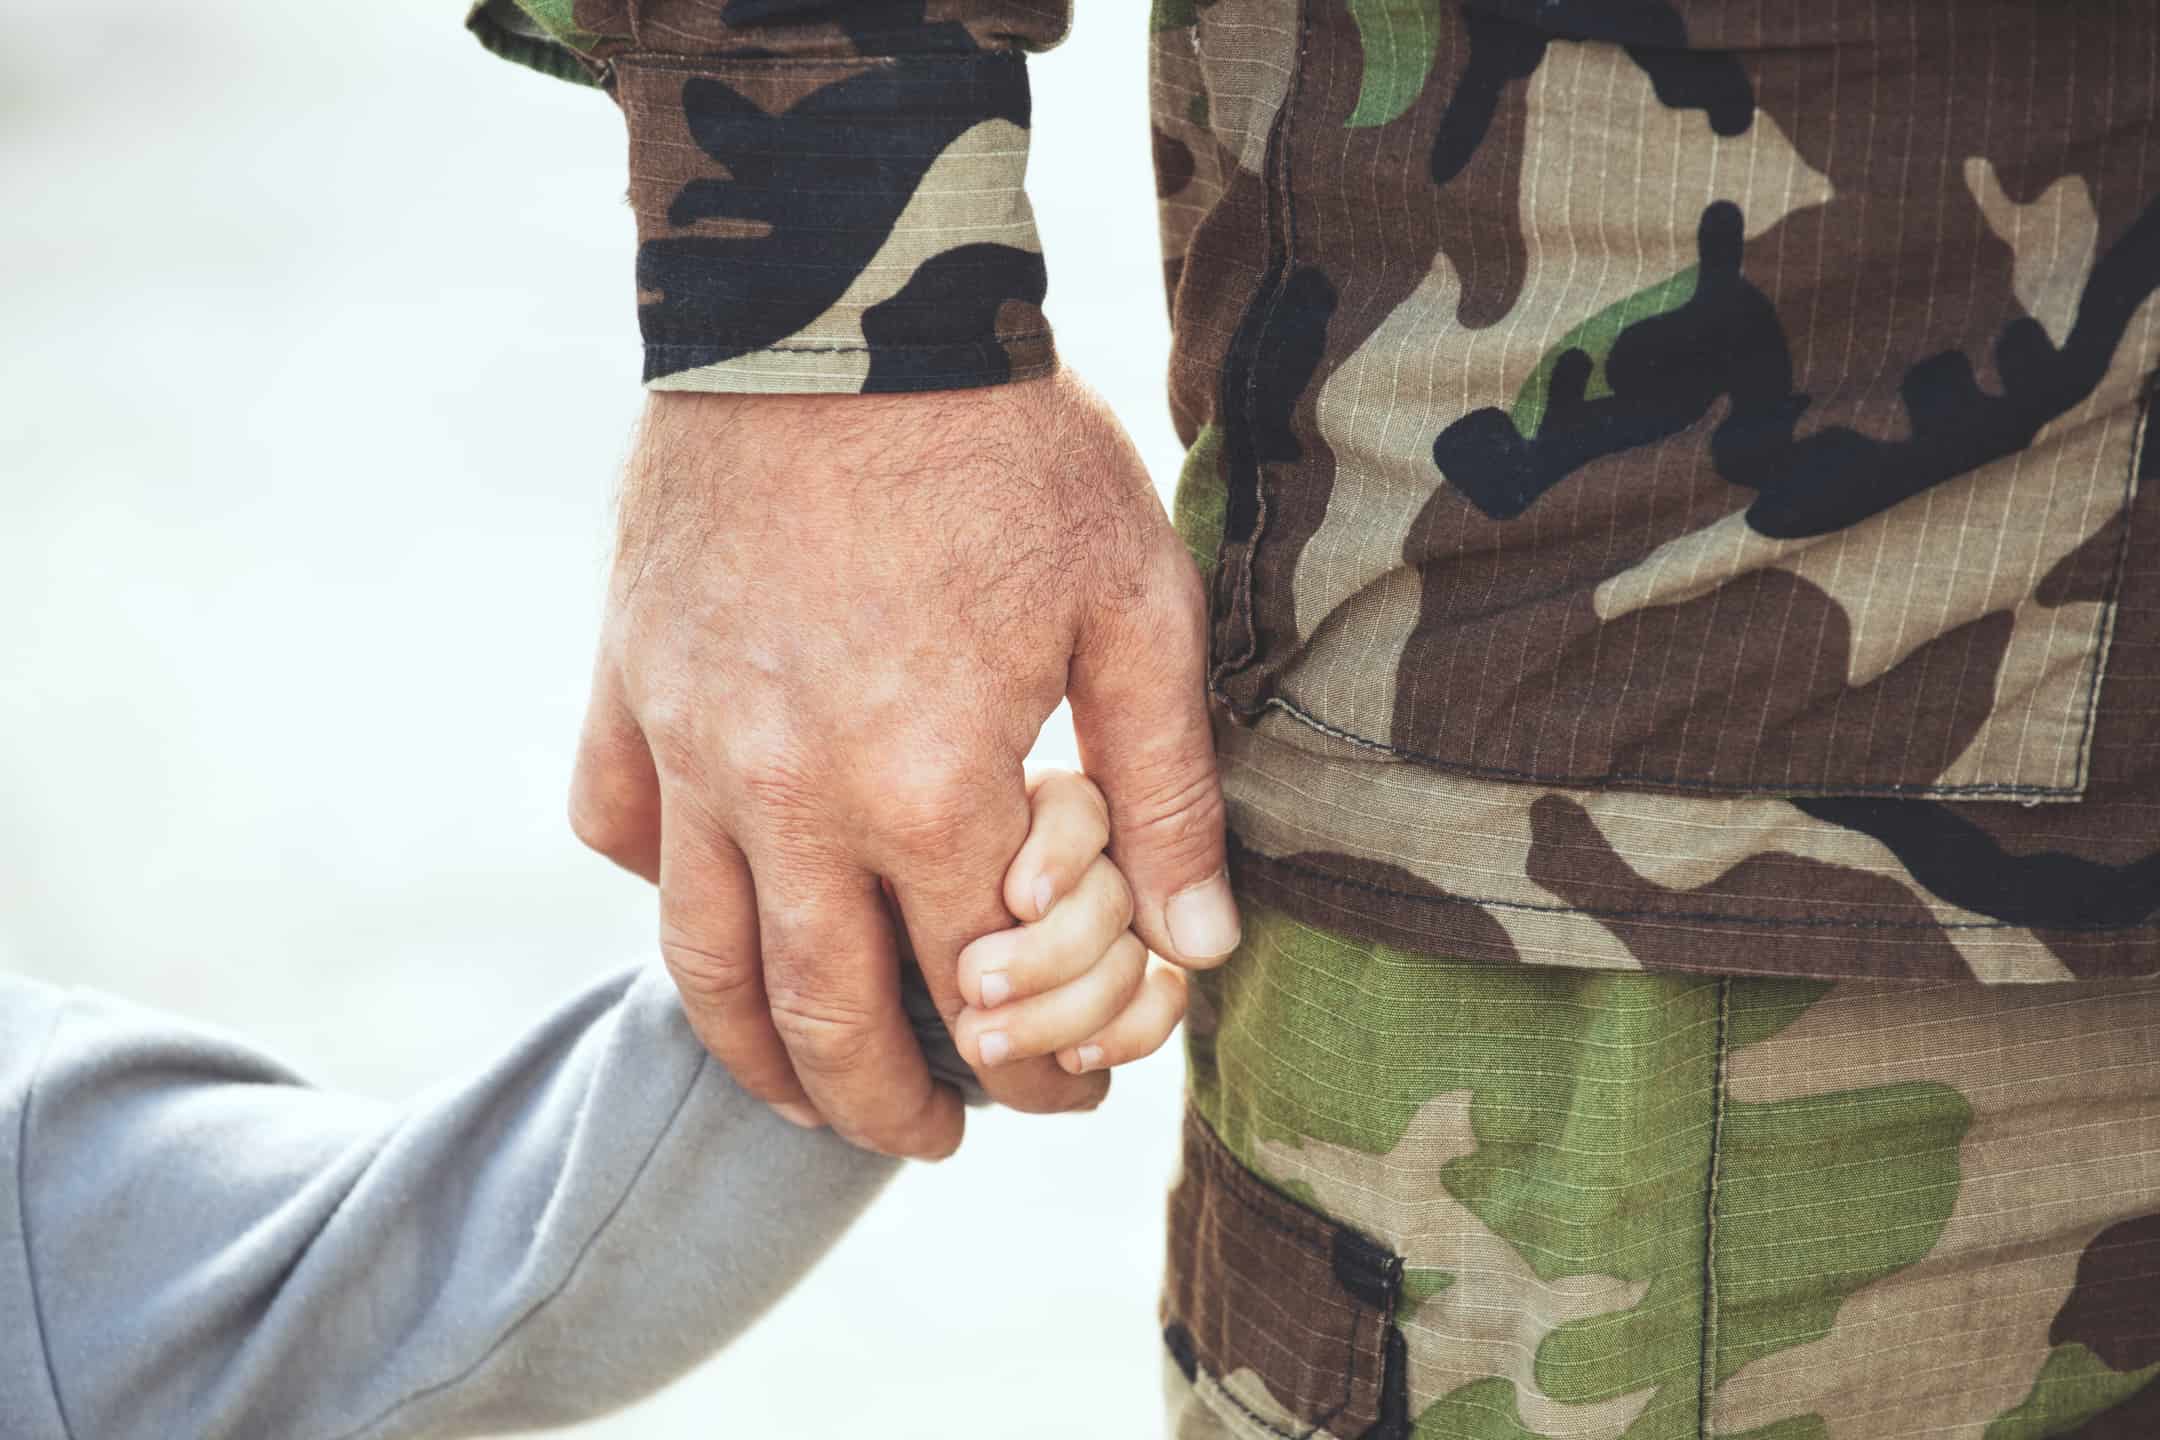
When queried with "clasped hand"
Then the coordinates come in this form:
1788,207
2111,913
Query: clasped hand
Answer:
835,626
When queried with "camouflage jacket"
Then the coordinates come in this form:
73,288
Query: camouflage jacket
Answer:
1669,469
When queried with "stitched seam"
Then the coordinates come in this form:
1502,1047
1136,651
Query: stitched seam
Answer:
1708,1359
569,1275
655,220
22,1214
1350,1372
1909,790
927,381
851,349
1277,159
723,65
1794,922
2104,627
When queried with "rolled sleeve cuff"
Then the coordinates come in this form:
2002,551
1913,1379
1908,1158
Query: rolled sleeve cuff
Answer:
834,225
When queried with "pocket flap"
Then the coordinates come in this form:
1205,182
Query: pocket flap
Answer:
1278,1315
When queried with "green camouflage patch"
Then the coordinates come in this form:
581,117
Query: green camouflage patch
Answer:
1899,1203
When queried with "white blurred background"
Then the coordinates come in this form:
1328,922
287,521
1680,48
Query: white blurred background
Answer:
317,361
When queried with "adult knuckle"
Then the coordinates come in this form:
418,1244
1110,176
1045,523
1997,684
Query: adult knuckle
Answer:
671,723
773,789
1175,806
678,753
823,1031
599,825
708,979
925,803
772,780
943,1147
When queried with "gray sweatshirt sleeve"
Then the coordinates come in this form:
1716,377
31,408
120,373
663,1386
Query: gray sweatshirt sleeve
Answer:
194,1244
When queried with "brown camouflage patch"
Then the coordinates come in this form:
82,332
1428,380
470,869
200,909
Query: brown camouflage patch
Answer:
2114,1307
1285,1310
1898,939
2062,1086
1372,847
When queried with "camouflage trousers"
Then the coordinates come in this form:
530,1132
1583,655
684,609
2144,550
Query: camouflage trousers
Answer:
1428,1198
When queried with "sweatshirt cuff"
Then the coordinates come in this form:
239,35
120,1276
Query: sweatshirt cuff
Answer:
843,225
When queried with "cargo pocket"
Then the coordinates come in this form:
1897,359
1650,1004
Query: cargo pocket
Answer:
1278,1317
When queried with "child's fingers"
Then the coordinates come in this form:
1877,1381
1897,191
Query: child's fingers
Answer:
1068,826
1030,959
1058,1018
1140,1028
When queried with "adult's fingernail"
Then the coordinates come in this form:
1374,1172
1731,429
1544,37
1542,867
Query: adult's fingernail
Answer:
1203,919
1044,894
801,1115
996,989
993,1047
1090,1056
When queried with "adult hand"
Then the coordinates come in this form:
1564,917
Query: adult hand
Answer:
835,626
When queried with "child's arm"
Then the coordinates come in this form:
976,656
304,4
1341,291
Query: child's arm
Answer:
194,1244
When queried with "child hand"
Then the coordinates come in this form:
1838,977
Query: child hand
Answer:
1072,978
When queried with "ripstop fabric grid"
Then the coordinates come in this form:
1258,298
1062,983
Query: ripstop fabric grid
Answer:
1633,1207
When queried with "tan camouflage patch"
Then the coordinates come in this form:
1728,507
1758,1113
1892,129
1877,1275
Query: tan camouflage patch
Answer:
1592,116
1191,163
1247,50
2064,1089
1237,1407
1611,198
1899,592
2053,239
1596,879
1498,1311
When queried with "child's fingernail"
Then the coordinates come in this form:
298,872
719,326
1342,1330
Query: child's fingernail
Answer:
996,989
1203,920
1090,1057
1044,894
801,1115
993,1047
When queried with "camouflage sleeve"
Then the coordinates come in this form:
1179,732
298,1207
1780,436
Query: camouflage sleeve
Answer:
828,192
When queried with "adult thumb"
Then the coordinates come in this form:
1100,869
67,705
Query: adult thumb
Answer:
1139,706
